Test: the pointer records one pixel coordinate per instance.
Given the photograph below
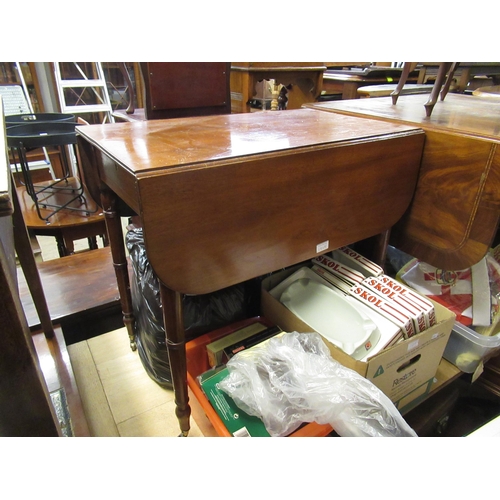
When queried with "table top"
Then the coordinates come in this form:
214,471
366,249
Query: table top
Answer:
277,67
227,198
145,147
454,115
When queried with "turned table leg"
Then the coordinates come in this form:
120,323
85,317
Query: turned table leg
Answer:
115,235
173,319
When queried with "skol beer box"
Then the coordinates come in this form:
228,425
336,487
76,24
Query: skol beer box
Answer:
344,272
351,258
402,302
419,300
388,308
404,371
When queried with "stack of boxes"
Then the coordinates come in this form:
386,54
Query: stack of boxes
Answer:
406,360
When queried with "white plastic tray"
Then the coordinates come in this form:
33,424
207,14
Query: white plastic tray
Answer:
332,316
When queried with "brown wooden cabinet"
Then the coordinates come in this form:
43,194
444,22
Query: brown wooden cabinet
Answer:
303,79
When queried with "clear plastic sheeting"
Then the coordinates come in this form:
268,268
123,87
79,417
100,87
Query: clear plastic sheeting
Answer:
292,379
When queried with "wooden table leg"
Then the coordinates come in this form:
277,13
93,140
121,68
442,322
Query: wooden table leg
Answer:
173,319
117,245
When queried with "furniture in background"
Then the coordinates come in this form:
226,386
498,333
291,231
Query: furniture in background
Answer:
19,104
489,92
465,75
237,198
342,81
23,74
81,294
36,131
387,89
440,88
25,390
65,226
303,82
455,211
176,89
59,207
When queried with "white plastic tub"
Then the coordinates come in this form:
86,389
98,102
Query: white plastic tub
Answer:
466,348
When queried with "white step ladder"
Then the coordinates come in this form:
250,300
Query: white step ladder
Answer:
87,93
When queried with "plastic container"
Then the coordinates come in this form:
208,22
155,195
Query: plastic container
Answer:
466,348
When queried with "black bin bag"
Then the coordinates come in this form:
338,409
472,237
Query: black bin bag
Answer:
202,313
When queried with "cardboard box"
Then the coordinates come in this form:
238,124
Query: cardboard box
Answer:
404,372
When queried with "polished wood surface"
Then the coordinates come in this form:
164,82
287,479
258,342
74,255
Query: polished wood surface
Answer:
305,82
454,215
223,199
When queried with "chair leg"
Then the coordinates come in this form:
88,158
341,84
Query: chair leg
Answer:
407,69
449,79
442,72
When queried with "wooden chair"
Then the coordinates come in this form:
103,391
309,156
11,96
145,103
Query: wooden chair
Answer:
441,85
176,89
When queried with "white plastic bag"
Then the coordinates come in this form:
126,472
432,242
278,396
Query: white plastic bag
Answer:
292,379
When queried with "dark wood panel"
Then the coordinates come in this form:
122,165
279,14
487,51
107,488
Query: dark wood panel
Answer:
185,89
224,224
